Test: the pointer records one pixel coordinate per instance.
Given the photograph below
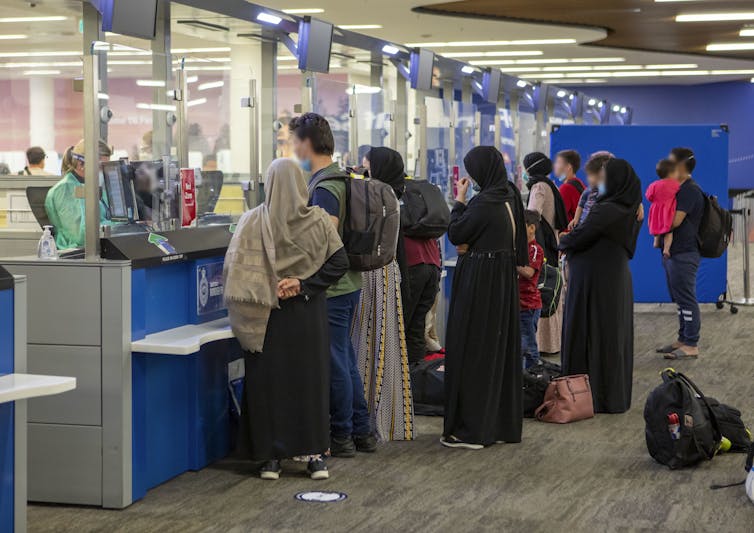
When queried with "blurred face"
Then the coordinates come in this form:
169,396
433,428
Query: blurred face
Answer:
680,169
592,179
531,232
365,163
675,174
561,168
302,148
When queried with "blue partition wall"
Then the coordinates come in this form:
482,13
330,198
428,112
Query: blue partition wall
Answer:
643,146
7,434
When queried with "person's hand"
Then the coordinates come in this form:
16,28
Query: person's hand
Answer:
462,187
640,213
462,249
288,288
572,224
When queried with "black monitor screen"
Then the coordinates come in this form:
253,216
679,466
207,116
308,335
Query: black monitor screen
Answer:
421,64
135,17
314,44
116,193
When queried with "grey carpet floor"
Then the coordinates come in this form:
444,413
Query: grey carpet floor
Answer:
594,475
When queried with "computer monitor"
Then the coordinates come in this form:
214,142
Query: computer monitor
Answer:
120,191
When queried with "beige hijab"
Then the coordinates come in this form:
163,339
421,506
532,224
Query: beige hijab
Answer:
283,238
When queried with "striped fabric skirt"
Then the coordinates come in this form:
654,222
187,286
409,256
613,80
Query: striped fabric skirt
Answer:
379,339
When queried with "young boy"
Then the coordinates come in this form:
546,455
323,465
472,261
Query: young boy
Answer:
593,167
529,297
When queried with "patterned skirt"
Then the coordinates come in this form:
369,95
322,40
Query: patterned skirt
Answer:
379,339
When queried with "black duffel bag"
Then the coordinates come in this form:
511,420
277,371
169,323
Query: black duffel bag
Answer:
428,387
536,380
731,426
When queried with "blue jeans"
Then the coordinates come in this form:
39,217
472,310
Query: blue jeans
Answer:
529,349
348,407
681,274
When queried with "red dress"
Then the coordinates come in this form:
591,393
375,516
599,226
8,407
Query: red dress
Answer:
662,211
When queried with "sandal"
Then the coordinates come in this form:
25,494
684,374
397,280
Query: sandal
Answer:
680,354
668,348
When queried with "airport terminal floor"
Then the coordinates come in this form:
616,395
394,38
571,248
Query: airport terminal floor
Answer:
594,475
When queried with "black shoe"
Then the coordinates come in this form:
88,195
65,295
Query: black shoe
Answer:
270,470
365,443
342,447
318,469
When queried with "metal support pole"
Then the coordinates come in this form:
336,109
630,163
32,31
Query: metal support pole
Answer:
92,124
400,118
744,211
497,135
541,120
516,120
378,99
93,32
254,175
268,109
353,126
421,130
162,69
477,128
308,91
181,100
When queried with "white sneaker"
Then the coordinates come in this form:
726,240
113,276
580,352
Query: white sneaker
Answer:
453,442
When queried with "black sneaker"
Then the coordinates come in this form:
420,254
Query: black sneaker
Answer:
271,470
342,447
318,469
365,443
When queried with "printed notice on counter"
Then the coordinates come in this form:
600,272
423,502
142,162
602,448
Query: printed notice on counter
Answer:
209,288
189,178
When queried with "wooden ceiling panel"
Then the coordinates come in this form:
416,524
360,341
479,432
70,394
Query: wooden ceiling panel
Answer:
631,24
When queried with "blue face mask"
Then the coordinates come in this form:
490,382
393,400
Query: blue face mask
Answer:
306,165
475,186
525,177
601,189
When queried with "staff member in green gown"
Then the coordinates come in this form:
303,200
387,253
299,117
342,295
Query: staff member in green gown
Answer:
65,200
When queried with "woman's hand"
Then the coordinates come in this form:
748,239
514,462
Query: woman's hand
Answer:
462,249
640,213
289,288
462,187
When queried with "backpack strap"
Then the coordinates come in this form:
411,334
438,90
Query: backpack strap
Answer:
576,183
313,184
713,419
513,223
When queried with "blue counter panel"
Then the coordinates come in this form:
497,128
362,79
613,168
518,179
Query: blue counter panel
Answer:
181,412
7,433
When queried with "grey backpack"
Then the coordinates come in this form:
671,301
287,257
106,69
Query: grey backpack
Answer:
370,231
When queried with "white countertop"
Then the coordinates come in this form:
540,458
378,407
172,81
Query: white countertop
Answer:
21,386
184,340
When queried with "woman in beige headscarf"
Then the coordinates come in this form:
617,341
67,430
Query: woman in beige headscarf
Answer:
281,259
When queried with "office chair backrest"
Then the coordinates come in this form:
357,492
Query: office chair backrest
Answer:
36,197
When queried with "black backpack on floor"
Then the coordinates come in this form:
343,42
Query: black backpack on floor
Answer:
731,425
425,213
428,387
715,229
536,380
696,438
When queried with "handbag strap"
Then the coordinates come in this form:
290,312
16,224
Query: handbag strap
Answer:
542,410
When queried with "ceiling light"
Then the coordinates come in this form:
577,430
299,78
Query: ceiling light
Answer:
511,53
561,93
731,72
210,85
729,47
543,75
32,19
521,69
592,101
198,101
363,89
156,107
360,26
13,37
35,64
41,54
467,69
540,61
623,110
747,32
150,83
562,68
489,43
269,18
616,108
674,65
714,17
199,50
41,72
103,96
597,59
601,105
390,49
493,62
304,11
192,79
194,68
521,84
289,58
615,67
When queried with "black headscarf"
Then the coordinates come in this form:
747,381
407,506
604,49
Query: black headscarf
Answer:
485,165
614,215
386,165
538,166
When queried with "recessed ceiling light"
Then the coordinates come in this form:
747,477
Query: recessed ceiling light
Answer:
510,53
561,93
714,17
598,59
390,49
304,11
150,83
32,19
540,61
467,69
592,101
198,101
562,68
360,26
493,62
13,37
671,66
490,43
268,18
41,54
199,50
41,72
103,96
192,79
729,47
210,85
543,75
747,32
521,84
155,107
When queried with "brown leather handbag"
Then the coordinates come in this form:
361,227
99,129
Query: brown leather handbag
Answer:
567,399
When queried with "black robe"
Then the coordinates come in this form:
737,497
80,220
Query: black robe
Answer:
598,326
286,406
483,365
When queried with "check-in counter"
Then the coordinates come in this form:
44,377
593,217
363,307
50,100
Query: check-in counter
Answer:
146,335
16,387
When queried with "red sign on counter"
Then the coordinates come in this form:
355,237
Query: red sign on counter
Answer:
188,195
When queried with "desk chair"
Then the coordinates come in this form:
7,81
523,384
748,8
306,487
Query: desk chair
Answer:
36,197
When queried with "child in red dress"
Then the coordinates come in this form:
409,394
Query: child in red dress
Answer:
662,211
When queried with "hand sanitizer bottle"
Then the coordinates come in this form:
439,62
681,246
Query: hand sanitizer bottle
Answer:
46,249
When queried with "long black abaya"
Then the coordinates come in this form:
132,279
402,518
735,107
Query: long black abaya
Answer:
598,332
483,380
